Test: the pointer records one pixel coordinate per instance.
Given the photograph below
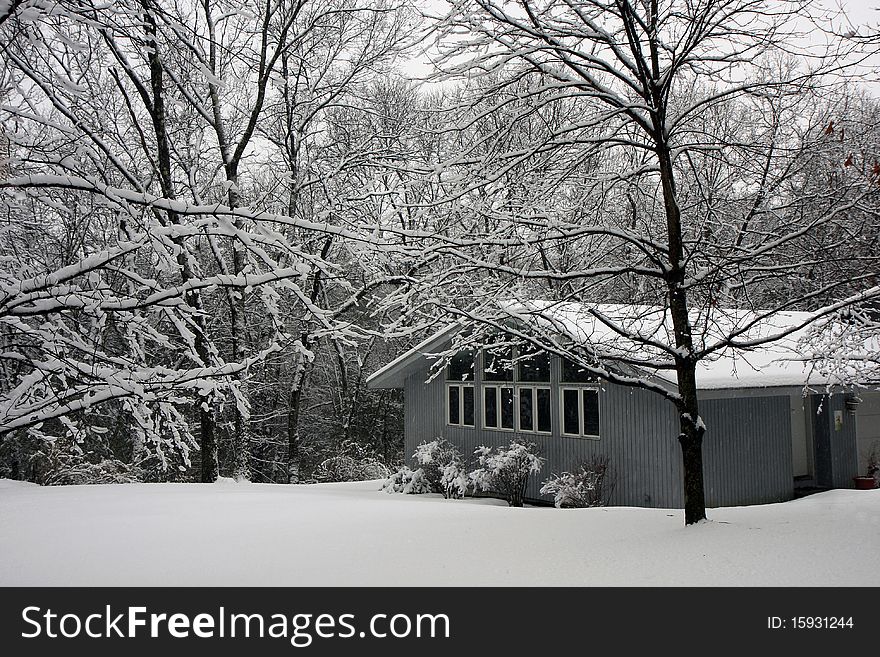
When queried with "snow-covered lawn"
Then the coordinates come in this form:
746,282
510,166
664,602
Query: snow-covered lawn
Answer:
352,534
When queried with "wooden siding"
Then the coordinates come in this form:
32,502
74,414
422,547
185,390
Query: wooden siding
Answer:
747,448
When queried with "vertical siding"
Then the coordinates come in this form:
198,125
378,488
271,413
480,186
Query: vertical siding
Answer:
837,458
844,445
639,433
747,448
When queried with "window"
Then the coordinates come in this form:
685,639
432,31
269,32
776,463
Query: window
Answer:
579,410
574,373
534,409
534,368
498,407
461,367
460,404
497,364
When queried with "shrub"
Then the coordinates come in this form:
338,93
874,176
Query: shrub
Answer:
454,481
506,470
407,481
349,468
590,485
62,463
443,467
873,469
354,462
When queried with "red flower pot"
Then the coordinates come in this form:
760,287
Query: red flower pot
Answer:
865,483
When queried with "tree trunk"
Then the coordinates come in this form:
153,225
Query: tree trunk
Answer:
691,440
241,441
294,408
690,424
208,445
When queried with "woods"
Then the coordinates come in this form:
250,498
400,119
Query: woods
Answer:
219,217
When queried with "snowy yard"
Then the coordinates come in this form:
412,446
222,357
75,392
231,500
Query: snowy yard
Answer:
352,534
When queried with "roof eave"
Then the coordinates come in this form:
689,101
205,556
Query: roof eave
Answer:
393,375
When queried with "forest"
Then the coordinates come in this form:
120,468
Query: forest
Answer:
219,216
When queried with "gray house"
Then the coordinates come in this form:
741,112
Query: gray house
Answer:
771,426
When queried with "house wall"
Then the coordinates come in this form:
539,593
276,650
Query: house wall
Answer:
747,448
837,456
867,426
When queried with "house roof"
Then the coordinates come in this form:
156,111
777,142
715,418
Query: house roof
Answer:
604,329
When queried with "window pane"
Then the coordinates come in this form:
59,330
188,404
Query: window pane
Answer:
526,410
535,368
570,419
461,366
591,412
543,406
573,373
497,365
452,392
507,408
490,407
468,406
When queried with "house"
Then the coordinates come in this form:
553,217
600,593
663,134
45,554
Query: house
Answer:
771,424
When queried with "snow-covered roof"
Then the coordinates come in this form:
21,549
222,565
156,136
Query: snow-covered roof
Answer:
632,332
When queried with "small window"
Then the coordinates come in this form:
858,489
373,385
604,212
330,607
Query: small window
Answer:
591,412
460,405
461,367
498,407
506,408
467,405
570,412
526,409
497,364
454,404
543,406
535,368
490,407
574,373
580,412
534,409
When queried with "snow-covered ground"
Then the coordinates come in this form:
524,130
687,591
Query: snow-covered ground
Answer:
352,534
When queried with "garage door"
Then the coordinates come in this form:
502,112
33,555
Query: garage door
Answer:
867,426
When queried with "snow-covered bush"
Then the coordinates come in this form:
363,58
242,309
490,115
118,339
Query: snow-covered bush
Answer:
506,470
443,466
454,480
106,471
590,485
873,469
353,462
63,463
408,481
349,468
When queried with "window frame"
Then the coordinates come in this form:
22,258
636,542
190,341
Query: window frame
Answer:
461,385
580,397
533,387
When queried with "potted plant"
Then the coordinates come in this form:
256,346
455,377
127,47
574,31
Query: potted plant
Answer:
869,481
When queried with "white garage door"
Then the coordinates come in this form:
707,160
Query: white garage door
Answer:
867,426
